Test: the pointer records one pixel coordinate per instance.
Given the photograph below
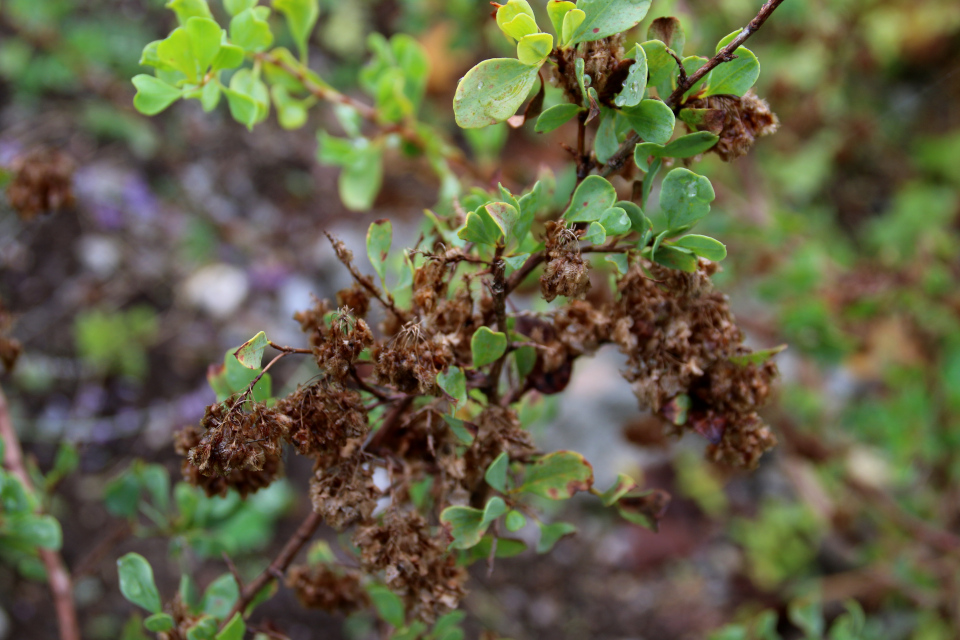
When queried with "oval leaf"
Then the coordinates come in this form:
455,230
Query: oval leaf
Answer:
652,120
689,145
636,83
379,238
487,346
685,197
534,48
735,77
594,196
492,91
703,246
556,116
558,475
454,383
136,582
606,17
153,95
250,353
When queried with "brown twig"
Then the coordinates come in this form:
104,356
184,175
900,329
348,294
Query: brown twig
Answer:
366,282
617,160
57,574
389,422
499,289
539,257
233,570
279,565
279,347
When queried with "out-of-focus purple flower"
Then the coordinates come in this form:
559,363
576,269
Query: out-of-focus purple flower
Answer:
9,149
268,276
138,199
191,406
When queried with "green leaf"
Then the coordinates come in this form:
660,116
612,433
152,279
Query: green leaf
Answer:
591,199
234,630
249,32
691,65
153,95
121,496
515,521
703,246
487,346
652,171
229,57
808,616
234,7
467,525
668,31
460,430
301,18
507,15
605,143
204,629
556,116
136,582
606,17
515,262
615,221
652,120
685,197
571,24
250,353
635,85
596,234
638,221
662,67
204,35
186,9
496,474
379,238
220,596
620,488
620,260
552,533
38,530
534,48
189,594
757,357
248,97
583,80
506,548
492,91
454,382
505,215
291,113
735,77
156,480
243,108
210,96
481,227
174,52
558,475
389,606
676,258
690,145
360,180
557,10
159,622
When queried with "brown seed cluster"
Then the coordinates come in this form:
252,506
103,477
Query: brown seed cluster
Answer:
328,588
43,181
738,122
566,272
324,418
413,561
342,490
679,335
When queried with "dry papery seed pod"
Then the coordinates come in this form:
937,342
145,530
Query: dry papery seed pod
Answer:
324,417
245,480
411,362
565,273
42,181
342,490
738,121
328,588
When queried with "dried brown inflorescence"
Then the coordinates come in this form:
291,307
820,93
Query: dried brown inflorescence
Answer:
42,181
679,336
411,362
328,588
738,121
342,490
414,561
325,417
566,272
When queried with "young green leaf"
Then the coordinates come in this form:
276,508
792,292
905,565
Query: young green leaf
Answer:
648,179
652,120
301,18
736,76
552,533
638,221
507,19
210,96
583,80
557,9
619,260
703,246
467,525
492,91
454,382
186,9
248,97
136,582
596,234
159,622
481,227
153,95
571,24
249,32
514,521
555,117
291,113
635,85
38,530
487,346
620,488
534,48
685,197
662,67
234,7
690,65
505,215
690,145
591,199
250,353
360,180
603,18
558,476
496,474
605,143
615,221
233,630
220,596
389,606
379,238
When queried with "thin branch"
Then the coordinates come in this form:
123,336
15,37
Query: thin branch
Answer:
499,289
617,160
366,282
279,347
57,574
539,257
279,565
389,423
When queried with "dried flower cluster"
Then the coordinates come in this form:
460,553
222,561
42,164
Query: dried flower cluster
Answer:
738,122
42,181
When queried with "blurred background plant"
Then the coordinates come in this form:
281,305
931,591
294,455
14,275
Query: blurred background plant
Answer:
842,233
